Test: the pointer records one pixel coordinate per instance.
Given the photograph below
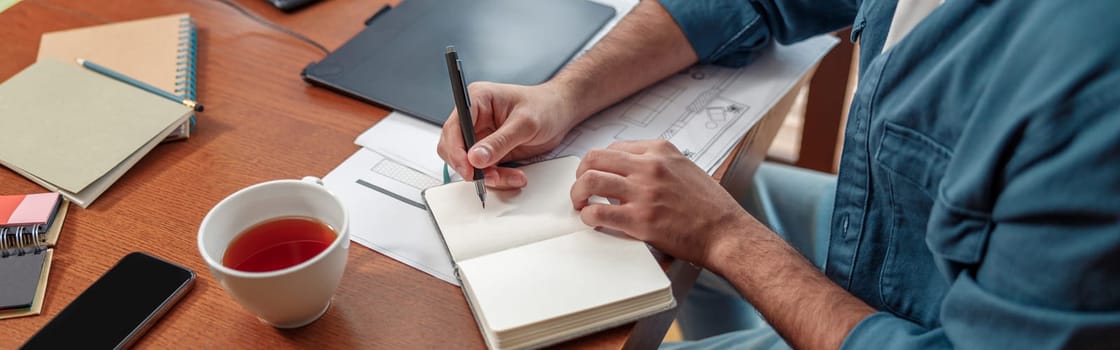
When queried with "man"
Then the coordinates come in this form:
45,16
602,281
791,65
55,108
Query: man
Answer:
978,199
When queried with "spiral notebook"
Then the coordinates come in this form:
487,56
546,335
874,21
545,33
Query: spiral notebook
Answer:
75,131
29,227
160,51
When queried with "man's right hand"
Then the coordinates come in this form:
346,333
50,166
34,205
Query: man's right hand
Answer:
511,122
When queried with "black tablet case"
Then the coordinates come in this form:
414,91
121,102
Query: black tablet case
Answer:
397,60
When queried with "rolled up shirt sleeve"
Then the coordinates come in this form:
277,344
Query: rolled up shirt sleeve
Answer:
733,32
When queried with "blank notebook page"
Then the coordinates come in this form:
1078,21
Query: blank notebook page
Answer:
541,210
558,277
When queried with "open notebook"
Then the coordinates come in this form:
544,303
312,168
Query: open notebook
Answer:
532,272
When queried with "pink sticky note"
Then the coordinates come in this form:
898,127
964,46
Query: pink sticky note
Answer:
8,205
35,209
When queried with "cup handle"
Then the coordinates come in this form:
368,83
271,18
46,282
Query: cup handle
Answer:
312,180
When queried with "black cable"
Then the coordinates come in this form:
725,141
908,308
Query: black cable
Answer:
274,26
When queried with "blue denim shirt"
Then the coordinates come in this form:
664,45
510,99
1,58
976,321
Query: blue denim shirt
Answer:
978,199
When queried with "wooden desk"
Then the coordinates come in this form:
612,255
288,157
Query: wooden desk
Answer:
261,123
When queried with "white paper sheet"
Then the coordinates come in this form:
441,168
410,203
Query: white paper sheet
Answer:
387,214
704,110
406,139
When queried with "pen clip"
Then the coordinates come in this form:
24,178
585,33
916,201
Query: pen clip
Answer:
463,81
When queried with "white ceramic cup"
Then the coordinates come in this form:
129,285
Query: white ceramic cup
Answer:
291,297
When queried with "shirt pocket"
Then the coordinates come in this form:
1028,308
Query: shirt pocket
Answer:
957,235
909,282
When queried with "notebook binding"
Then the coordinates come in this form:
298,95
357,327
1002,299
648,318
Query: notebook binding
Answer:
187,60
22,240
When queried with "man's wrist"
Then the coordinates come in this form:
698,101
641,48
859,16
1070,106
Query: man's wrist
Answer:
569,94
728,247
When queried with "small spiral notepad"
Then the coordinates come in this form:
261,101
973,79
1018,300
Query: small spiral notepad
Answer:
161,51
29,227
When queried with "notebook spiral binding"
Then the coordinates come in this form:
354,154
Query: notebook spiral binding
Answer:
187,61
22,240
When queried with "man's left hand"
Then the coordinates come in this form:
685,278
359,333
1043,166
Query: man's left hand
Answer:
664,199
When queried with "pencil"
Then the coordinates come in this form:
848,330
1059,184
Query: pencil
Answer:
197,107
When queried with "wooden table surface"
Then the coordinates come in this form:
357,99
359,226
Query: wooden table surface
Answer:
262,122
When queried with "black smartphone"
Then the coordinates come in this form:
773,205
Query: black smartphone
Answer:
116,310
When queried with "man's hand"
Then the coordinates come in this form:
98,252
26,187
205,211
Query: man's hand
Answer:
512,122
516,122
670,203
665,199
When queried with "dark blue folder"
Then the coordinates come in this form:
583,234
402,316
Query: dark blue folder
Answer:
397,60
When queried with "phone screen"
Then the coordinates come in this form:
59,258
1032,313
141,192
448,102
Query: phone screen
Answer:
118,307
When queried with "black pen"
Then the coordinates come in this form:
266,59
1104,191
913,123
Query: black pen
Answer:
463,105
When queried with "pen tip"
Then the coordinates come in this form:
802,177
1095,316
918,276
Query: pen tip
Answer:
450,49
198,108
81,61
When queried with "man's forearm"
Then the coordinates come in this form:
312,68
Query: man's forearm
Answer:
800,302
645,47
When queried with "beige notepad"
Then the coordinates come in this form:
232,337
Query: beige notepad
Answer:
157,51
532,272
75,131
